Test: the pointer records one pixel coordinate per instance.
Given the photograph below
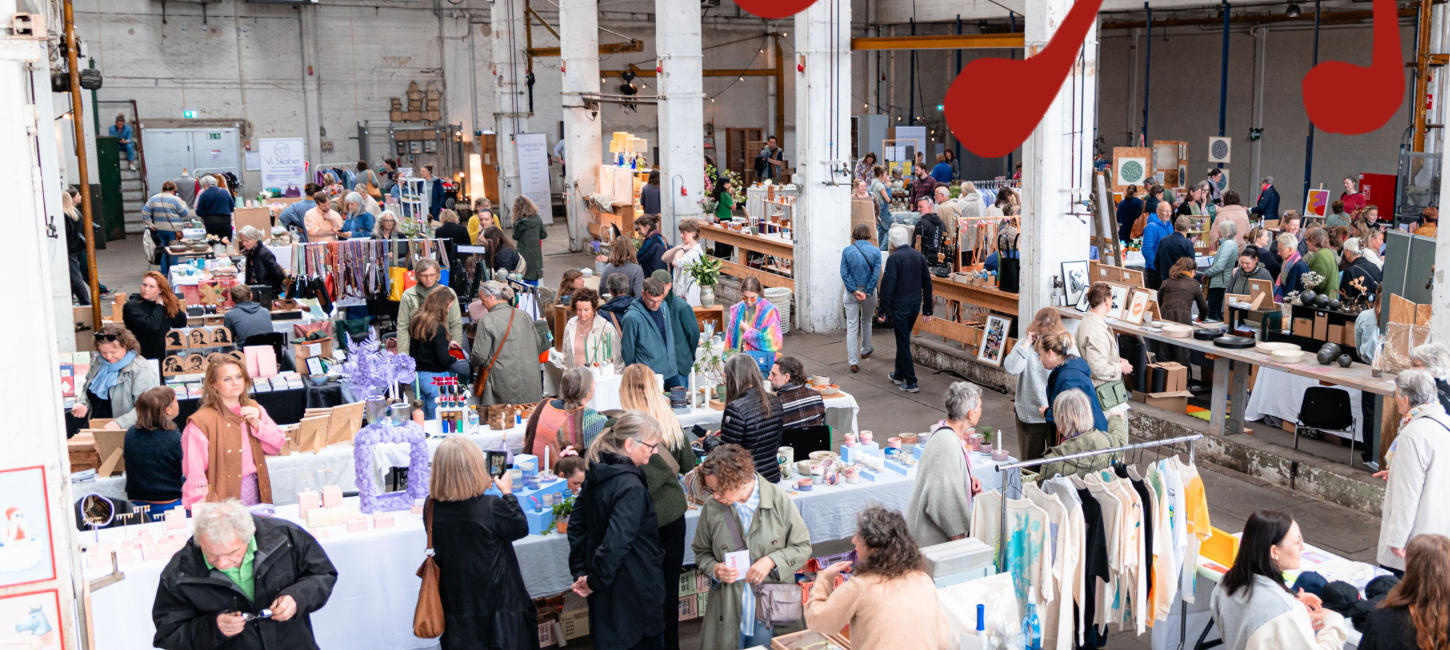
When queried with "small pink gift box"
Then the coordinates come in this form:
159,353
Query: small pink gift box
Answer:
307,500
331,496
176,519
382,520
357,524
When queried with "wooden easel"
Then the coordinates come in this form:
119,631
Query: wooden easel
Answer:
1105,236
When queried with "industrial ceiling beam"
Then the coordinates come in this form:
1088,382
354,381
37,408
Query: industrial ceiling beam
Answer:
1327,17
604,48
939,42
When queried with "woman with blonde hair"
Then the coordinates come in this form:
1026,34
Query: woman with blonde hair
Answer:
75,247
614,543
226,441
481,218
485,603
566,421
1073,415
152,312
529,234
1034,432
639,392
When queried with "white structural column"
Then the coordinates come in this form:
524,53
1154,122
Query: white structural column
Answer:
1057,166
681,112
35,435
823,141
579,50
511,104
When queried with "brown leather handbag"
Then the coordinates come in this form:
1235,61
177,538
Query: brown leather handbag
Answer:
428,616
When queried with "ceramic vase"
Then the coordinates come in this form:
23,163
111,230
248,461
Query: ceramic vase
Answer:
865,437
851,440
707,295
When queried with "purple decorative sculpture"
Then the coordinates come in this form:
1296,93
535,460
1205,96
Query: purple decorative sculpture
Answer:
373,371
363,459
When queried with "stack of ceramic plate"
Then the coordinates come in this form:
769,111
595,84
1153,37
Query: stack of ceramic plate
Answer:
1271,348
1288,356
1177,331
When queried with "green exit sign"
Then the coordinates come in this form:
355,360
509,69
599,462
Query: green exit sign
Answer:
190,115
213,136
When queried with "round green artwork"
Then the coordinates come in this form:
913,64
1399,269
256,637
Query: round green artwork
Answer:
1131,171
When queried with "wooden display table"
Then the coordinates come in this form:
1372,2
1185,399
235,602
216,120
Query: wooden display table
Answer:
959,291
714,314
768,245
1231,380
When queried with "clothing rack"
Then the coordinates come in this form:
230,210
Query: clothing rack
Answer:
359,268
1018,466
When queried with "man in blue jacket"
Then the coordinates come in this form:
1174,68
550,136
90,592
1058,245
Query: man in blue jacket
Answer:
860,269
1159,226
647,337
215,205
123,133
905,289
1268,206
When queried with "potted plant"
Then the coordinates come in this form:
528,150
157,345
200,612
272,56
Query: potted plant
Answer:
706,273
988,434
562,510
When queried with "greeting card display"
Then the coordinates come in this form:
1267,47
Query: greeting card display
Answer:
25,554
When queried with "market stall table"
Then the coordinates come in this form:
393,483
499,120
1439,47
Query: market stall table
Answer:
1280,394
1232,367
377,570
769,245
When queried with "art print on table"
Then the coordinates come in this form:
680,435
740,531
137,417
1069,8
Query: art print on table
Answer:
197,338
1137,305
1075,280
1120,301
25,553
994,340
31,620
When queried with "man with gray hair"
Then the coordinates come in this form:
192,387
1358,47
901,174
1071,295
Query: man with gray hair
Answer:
905,291
214,205
505,350
1419,476
1268,206
241,582
941,501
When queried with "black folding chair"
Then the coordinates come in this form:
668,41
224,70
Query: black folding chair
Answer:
805,440
1326,409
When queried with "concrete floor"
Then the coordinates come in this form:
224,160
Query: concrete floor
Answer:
1232,496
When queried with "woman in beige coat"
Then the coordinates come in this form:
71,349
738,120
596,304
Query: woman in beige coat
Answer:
1098,343
588,339
773,532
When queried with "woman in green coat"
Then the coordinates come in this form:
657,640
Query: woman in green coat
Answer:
773,532
1321,260
529,234
1074,417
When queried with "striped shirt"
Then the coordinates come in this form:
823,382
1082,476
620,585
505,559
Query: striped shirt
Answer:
802,406
746,511
165,212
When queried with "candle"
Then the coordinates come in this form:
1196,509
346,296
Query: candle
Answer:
546,458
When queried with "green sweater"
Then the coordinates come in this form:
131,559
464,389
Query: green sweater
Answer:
686,332
665,487
1322,262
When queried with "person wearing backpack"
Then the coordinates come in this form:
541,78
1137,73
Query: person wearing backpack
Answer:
860,271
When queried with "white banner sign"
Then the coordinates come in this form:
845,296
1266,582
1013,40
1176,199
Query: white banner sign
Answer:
534,172
284,164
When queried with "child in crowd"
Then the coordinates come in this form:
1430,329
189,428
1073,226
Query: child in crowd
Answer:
571,469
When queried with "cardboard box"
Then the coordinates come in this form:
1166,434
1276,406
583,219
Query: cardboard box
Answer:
1303,327
575,624
1177,376
303,351
1335,334
1174,401
1349,338
1321,326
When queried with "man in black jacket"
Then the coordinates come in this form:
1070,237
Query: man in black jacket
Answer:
929,232
1175,246
237,564
1362,278
905,289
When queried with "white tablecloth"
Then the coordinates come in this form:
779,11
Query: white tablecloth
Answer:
297,472
372,604
1279,394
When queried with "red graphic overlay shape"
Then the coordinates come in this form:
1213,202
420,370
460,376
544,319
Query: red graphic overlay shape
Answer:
991,128
1377,91
771,9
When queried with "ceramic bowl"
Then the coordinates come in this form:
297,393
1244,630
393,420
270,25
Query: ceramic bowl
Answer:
819,380
824,455
828,389
805,467
1270,348
1177,331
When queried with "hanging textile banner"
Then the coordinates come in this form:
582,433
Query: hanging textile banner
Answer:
534,172
284,165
